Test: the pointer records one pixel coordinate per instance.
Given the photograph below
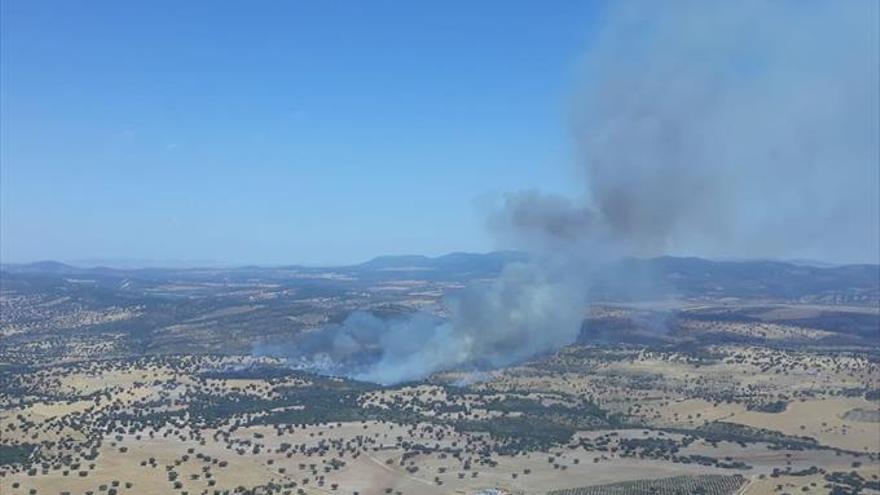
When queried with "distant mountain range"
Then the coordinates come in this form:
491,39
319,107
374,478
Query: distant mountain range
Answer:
454,262
663,275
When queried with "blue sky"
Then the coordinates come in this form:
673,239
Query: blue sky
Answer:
278,132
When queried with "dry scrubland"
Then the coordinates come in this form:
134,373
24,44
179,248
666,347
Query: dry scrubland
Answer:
146,382
584,420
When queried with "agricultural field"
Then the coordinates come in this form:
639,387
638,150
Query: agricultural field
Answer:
708,484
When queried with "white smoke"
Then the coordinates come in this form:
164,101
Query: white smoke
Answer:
528,309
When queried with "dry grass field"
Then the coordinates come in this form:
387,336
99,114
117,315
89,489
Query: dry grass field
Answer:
158,388
431,438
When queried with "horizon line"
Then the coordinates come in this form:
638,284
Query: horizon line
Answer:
172,264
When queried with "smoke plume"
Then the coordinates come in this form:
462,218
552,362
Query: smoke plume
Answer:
712,128
529,309
736,128
724,129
